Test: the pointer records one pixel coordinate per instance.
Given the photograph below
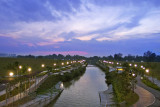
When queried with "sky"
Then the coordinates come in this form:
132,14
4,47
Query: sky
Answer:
82,27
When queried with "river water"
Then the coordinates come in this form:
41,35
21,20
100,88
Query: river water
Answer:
83,92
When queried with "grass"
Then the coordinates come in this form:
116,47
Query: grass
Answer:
48,84
146,81
5,64
153,67
131,98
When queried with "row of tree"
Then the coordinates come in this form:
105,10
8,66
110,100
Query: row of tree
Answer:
147,57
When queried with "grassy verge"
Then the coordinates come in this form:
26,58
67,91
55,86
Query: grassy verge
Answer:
146,81
131,98
48,84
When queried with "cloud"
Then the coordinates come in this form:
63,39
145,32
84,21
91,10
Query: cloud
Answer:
57,25
88,18
147,25
87,37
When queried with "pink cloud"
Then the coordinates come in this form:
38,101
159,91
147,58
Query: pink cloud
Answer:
57,52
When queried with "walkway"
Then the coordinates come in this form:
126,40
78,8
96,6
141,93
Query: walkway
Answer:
145,97
32,88
151,90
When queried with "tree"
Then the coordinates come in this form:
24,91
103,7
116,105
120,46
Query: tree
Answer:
118,56
149,56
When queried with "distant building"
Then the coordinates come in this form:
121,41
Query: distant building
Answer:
7,55
119,69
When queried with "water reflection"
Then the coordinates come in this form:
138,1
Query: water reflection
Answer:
83,91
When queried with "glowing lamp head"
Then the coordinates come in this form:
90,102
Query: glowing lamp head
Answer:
133,74
11,74
67,62
135,65
141,66
54,64
130,64
42,65
20,67
62,63
29,69
147,70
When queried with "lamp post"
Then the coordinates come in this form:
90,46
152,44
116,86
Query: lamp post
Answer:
8,88
29,70
19,68
133,81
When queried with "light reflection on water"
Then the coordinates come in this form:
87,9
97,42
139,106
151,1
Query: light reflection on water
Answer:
84,91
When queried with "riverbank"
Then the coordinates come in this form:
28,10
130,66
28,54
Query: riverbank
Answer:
84,91
50,89
45,99
106,97
122,94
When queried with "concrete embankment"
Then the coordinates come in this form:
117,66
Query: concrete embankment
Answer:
106,97
42,100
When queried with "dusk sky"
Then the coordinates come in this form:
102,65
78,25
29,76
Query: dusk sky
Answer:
83,27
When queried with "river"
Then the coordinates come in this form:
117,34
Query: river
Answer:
83,92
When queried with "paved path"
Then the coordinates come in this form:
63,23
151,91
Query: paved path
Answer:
16,85
151,90
145,97
32,88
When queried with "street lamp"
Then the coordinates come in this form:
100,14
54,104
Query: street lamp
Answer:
20,67
133,74
62,63
141,66
67,62
54,64
135,65
130,64
42,65
147,70
11,74
29,69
